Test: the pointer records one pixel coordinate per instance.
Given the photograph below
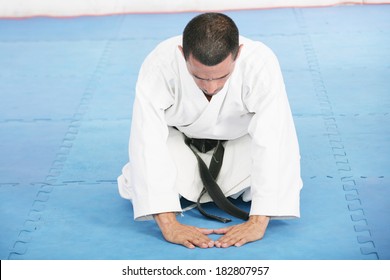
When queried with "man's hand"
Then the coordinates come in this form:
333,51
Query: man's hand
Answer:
188,236
238,235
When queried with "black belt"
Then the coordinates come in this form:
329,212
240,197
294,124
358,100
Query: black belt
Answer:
210,174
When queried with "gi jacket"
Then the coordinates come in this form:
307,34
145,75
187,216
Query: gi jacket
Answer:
253,103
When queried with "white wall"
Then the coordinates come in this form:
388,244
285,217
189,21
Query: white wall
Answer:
65,8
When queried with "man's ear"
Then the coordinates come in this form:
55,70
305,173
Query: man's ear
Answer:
239,51
181,49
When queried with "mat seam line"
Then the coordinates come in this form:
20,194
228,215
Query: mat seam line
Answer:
34,220
356,211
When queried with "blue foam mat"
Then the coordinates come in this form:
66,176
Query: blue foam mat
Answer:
105,230
65,118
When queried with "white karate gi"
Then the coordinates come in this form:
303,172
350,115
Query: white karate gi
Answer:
261,161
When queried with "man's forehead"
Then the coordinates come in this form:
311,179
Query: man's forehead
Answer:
204,72
211,79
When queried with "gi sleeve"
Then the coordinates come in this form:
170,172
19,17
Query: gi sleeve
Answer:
275,174
153,172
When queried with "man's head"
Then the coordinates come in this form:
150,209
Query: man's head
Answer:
210,48
210,38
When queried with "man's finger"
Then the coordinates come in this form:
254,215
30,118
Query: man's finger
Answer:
222,230
188,244
227,241
205,230
240,242
201,242
198,237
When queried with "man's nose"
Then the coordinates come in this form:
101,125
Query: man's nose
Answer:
211,87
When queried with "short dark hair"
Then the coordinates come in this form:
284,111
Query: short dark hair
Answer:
210,38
